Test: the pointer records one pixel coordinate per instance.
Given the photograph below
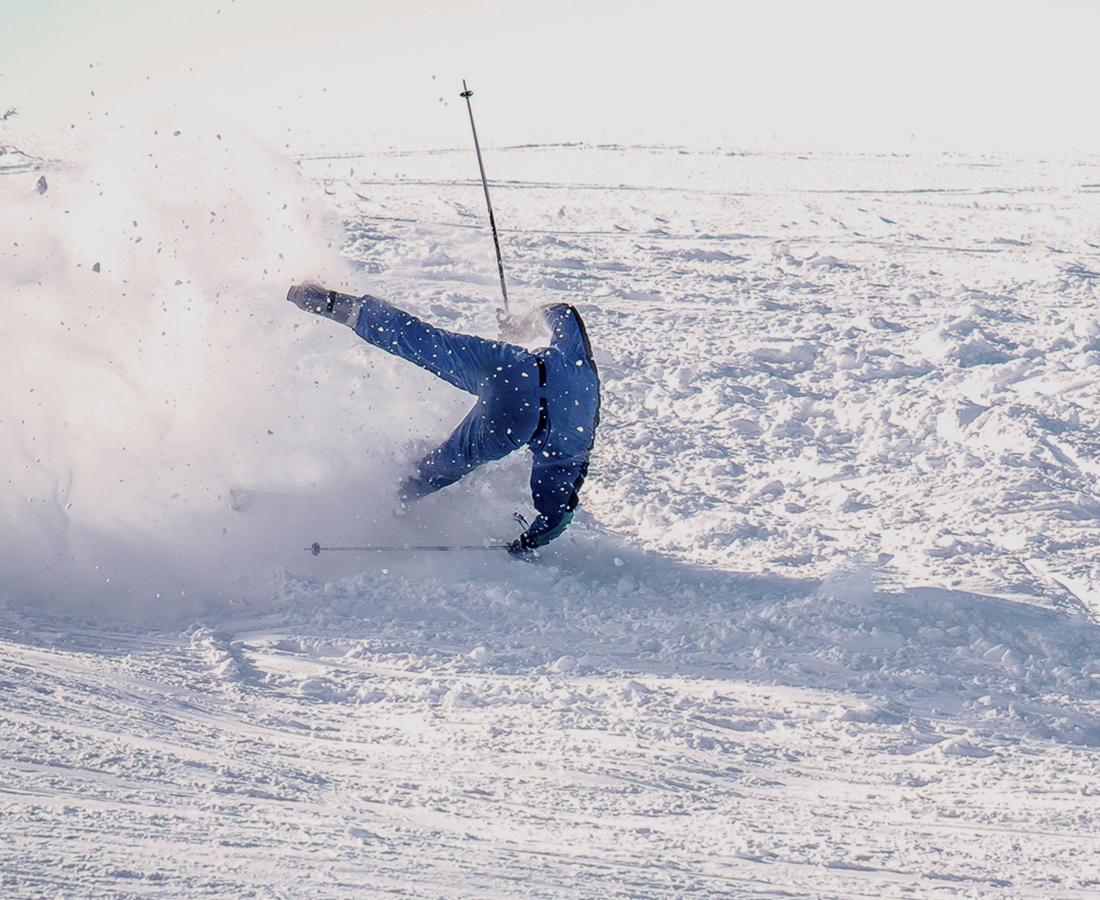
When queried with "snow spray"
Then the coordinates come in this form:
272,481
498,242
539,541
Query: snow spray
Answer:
170,427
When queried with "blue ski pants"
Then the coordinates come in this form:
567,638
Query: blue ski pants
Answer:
504,378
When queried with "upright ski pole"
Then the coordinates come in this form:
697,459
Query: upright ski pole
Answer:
467,94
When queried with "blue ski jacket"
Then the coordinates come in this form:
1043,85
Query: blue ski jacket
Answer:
548,400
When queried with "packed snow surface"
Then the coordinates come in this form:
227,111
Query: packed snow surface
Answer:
824,627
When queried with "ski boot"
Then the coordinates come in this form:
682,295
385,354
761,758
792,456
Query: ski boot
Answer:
320,301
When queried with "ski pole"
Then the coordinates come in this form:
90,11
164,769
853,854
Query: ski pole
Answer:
316,548
467,94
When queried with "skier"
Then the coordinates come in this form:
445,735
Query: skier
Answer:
548,400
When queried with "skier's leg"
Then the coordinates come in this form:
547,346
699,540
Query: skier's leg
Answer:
465,361
446,464
493,428
459,359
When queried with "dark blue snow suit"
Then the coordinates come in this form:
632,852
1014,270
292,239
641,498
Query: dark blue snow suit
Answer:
548,400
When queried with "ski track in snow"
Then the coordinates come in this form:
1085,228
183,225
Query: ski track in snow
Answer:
825,626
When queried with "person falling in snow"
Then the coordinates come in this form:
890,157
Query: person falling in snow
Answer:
548,400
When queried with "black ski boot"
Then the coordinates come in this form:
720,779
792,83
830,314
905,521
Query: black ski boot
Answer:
320,301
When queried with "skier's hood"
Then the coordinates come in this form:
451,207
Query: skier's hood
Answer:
567,332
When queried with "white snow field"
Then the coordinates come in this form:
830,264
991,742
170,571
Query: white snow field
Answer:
825,626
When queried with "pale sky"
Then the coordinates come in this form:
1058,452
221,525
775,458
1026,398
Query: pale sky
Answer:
976,74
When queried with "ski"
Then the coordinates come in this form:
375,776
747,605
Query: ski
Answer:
316,549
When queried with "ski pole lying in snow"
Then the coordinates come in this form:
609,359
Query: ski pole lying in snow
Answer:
467,94
316,548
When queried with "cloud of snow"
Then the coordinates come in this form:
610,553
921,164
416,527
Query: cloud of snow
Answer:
173,430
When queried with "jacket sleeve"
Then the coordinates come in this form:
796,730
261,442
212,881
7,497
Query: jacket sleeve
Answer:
554,487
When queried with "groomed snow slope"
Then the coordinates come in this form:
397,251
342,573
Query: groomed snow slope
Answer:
825,627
